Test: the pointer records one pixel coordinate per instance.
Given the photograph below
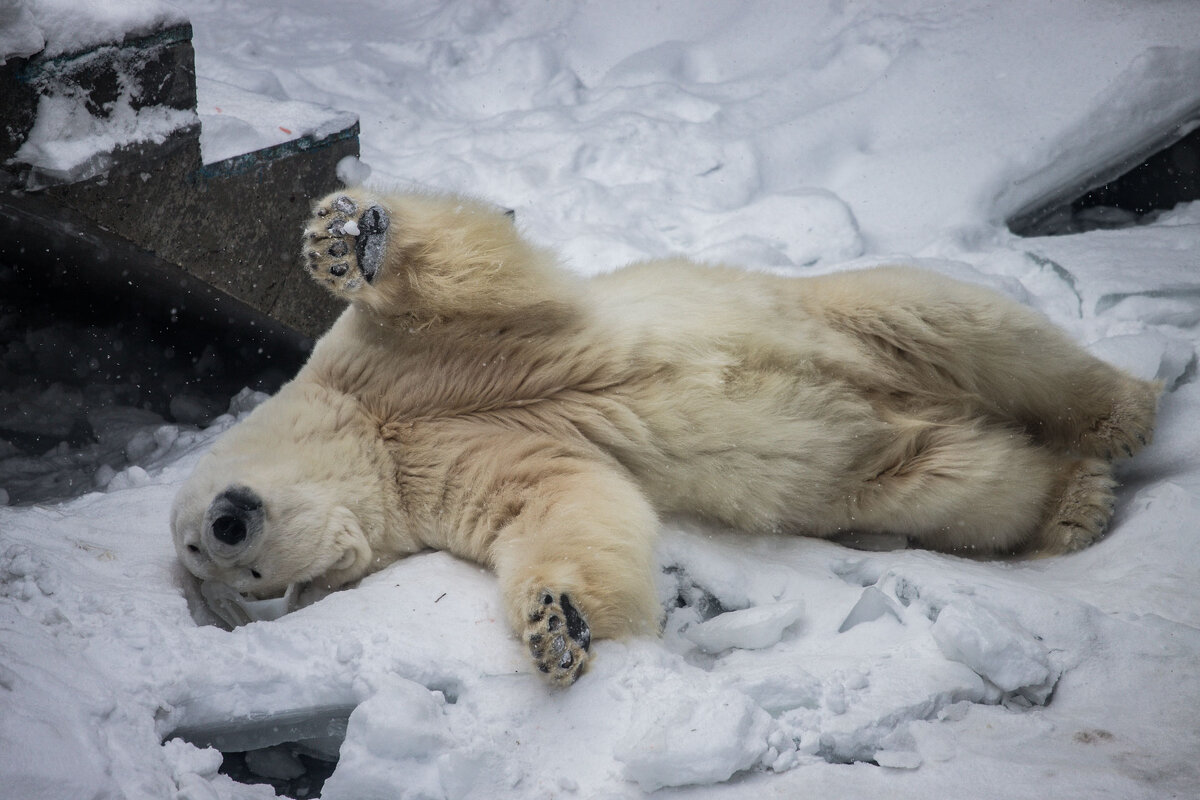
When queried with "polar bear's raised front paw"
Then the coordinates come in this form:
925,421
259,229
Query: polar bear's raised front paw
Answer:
558,637
344,242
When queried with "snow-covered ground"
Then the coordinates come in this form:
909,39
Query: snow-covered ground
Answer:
794,136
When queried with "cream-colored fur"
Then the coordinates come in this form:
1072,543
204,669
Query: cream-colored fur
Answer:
477,399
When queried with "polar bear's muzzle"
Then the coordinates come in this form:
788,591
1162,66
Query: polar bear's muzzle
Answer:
234,521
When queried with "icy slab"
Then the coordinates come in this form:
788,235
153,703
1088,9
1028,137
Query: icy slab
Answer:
235,122
1151,264
677,738
872,604
322,728
57,27
235,609
748,628
997,648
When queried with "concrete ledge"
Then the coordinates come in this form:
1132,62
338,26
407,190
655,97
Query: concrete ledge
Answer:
234,224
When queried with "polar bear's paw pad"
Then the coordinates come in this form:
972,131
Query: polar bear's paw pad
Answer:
344,248
558,637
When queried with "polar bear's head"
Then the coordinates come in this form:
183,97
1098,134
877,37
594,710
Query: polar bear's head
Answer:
260,540
286,496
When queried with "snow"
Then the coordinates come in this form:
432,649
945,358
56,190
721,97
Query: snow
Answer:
68,142
234,121
51,28
799,138
74,134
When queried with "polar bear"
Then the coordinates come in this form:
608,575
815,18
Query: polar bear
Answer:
476,398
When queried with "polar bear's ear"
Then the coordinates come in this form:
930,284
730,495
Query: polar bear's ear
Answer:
348,537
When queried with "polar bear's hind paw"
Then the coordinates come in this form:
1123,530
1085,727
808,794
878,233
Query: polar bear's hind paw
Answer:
343,248
558,638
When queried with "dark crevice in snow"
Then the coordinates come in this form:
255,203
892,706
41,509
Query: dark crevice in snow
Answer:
690,594
1164,180
290,773
98,364
294,752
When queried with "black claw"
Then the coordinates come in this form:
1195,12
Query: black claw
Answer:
547,598
1141,439
322,212
537,616
567,660
339,248
369,244
339,269
544,667
577,627
554,623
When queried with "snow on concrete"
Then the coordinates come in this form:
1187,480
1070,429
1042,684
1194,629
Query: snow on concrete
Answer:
69,141
234,121
793,137
53,28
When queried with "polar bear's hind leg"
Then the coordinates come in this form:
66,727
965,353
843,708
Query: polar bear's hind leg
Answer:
1080,513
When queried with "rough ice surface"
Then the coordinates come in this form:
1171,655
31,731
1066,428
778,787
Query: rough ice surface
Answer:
996,648
669,743
847,135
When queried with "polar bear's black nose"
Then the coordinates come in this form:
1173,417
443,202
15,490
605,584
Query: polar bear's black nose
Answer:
229,529
236,516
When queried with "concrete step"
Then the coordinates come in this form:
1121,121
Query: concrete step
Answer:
108,143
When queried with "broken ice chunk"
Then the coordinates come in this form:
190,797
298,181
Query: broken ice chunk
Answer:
351,227
691,734
996,648
748,628
872,604
228,604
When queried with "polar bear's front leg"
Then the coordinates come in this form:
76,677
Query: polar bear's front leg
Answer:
558,637
418,260
345,241
573,551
